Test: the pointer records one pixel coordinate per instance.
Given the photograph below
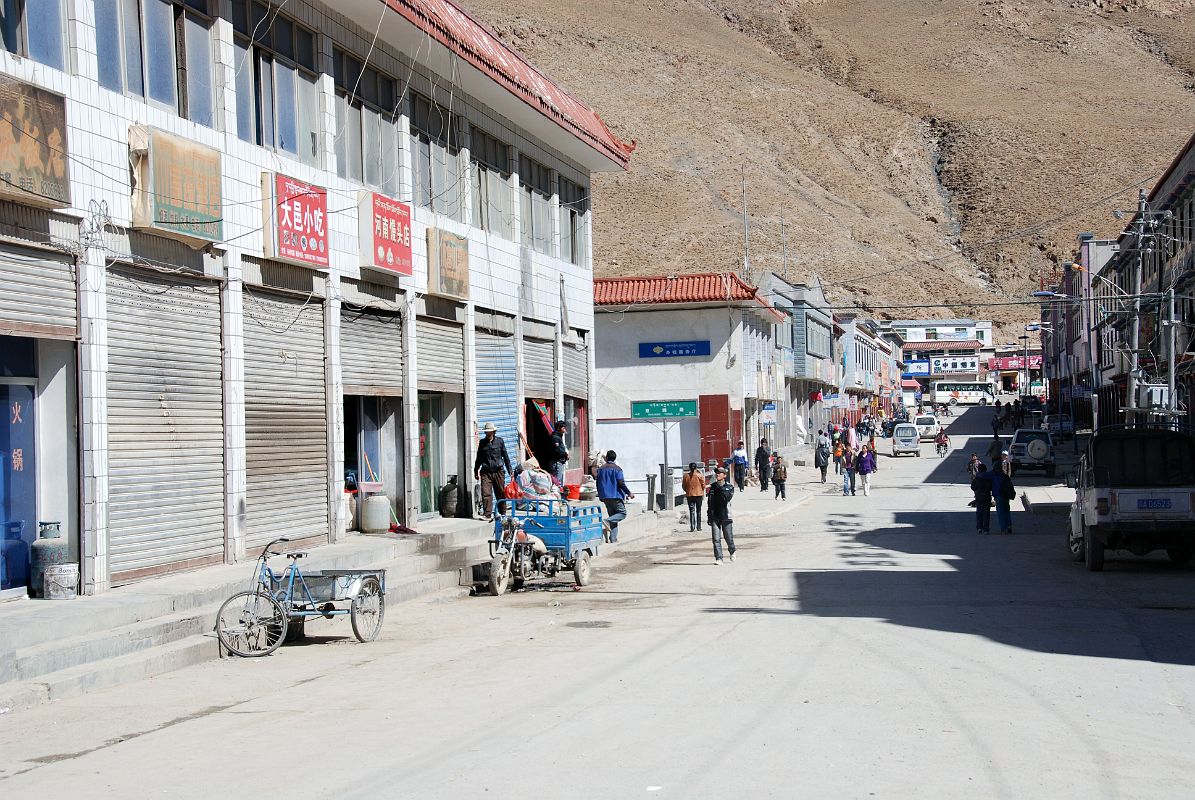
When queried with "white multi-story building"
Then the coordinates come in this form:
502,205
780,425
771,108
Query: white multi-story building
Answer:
249,250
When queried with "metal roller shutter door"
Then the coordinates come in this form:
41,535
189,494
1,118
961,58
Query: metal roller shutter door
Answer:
371,352
37,294
539,368
576,372
440,354
497,391
286,424
165,422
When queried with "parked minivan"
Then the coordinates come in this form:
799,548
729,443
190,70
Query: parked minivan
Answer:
906,439
927,426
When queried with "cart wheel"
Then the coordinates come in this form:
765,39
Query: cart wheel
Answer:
251,624
499,576
581,569
368,610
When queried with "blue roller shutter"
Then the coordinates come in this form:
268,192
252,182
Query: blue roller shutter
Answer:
497,392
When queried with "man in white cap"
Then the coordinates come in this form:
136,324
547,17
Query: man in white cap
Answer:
487,468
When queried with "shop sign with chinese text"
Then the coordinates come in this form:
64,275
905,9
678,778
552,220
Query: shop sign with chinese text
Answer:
178,190
33,152
296,220
447,264
385,234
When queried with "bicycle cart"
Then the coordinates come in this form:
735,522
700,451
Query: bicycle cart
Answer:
254,622
537,537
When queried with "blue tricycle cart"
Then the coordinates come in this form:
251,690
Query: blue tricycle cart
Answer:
540,537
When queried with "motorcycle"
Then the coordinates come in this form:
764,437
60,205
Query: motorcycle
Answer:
943,449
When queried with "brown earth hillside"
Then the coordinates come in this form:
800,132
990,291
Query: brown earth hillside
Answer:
918,151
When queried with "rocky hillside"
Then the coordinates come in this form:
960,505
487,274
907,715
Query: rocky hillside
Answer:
917,151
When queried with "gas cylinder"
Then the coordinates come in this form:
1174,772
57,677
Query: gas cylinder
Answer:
50,549
448,498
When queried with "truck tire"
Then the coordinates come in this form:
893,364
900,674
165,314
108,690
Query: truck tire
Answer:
1093,551
1074,547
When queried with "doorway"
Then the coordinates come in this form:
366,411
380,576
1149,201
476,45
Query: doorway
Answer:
18,484
373,447
539,416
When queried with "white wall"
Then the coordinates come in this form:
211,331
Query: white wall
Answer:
58,439
640,446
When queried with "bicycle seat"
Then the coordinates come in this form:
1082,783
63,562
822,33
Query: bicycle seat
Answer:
298,554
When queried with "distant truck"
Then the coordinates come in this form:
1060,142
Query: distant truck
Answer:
1133,491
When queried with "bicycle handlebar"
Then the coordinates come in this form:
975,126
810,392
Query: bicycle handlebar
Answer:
266,551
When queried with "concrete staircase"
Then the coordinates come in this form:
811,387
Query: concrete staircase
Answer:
51,650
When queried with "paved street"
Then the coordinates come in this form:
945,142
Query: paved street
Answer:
859,647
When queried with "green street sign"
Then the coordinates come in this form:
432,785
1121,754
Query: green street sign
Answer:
661,409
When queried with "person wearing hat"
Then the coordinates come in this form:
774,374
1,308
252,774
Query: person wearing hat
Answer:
718,514
559,452
613,492
488,466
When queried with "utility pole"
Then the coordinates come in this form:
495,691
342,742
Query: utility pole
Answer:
1171,345
1135,333
746,237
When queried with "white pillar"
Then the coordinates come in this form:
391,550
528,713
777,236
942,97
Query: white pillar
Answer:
335,407
410,405
92,278
233,336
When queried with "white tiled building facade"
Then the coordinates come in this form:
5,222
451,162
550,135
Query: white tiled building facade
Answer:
431,111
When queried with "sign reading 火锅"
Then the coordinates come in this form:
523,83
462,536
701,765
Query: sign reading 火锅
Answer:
661,409
385,233
33,153
447,264
915,368
177,191
673,349
296,220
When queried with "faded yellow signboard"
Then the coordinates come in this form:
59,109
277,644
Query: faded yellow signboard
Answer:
447,264
178,187
33,152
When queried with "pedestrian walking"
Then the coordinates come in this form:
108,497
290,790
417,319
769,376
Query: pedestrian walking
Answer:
973,466
718,515
1003,492
848,471
693,484
488,469
780,476
821,454
559,452
995,448
739,463
981,487
996,424
865,465
1005,463
839,449
613,492
852,437
763,464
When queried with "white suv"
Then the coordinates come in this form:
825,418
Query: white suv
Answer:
1032,449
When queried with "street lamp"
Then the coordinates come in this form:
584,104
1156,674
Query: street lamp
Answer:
1025,339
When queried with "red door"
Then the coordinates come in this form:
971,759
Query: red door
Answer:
736,429
713,417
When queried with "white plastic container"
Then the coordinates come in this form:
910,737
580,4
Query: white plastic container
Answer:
61,582
375,514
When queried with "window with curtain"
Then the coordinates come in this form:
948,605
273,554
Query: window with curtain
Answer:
574,237
435,155
35,29
535,205
160,50
367,130
492,209
275,67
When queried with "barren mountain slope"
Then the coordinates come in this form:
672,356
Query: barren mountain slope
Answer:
840,111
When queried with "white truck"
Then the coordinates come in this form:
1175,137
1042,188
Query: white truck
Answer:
1135,491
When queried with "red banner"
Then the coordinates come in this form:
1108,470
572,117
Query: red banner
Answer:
1014,363
385,233
298,212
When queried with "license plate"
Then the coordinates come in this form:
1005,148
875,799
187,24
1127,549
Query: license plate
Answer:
1153,503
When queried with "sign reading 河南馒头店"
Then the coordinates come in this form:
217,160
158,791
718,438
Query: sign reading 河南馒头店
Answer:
33,153
673,349
178,186
296,220
662,409
385,233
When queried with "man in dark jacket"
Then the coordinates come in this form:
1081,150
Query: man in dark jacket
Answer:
487,468
981,487
718,514
559,452
763,464
613,492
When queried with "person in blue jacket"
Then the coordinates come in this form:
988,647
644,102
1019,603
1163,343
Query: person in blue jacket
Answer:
613,492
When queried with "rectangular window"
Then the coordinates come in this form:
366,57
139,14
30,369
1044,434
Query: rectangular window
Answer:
366,123
435,150
279,56
491,184
160,50
574,204
535,205
36,29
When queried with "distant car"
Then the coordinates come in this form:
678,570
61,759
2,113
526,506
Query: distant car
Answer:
927,426
906,439
1133,491
1030,402
1061,424
1032,449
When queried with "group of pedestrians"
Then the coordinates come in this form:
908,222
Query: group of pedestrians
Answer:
856,462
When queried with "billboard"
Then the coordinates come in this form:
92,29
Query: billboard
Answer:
178,190
33,151
915,368
447,264
954,364
385,233
296,220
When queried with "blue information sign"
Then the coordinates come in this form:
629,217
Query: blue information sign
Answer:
673,349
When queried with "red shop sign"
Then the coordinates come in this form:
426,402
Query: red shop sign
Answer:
296,220
385,233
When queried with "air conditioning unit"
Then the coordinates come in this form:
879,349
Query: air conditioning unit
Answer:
1153,395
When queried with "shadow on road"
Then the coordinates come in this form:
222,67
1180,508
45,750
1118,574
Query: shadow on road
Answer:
930,570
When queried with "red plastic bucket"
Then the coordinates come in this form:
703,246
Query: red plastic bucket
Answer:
572,492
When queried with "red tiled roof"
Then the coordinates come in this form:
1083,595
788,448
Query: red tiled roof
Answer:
710,287
944,344
481,47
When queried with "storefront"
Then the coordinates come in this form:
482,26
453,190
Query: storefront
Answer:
497,380
165,422
286,421
539,388
371,365
575,370
440,359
